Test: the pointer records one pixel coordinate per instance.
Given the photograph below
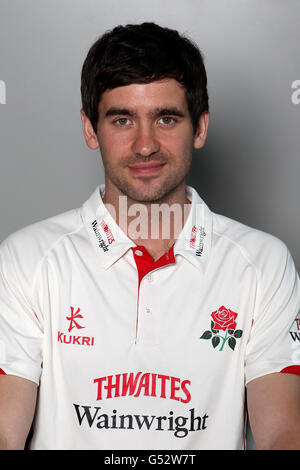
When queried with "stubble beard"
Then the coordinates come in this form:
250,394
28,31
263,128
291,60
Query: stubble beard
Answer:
148,190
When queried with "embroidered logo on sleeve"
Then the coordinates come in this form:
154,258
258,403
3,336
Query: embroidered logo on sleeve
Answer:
223,320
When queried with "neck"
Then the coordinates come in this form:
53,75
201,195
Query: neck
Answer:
154,224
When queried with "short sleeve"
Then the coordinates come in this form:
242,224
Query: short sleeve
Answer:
274,343
20,332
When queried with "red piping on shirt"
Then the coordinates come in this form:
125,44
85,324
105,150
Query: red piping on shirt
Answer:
145,263
291,370
2,372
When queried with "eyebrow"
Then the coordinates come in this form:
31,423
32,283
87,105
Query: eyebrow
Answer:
172,111
158,112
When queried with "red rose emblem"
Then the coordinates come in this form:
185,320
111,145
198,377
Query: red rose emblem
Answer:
224,319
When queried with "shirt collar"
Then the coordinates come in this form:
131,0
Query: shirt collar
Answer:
194,241
111,243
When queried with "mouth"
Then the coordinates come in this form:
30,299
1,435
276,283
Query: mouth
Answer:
146,168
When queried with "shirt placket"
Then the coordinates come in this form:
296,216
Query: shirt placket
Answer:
147,318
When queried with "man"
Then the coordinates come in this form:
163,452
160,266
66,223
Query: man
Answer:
139,319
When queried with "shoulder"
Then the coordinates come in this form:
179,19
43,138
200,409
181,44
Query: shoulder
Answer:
23,250
264,251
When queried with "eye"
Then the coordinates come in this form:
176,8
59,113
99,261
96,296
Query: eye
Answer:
122,122
167,121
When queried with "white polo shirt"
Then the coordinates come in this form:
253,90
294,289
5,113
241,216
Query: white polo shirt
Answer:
134,354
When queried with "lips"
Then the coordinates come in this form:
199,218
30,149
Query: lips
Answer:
146,168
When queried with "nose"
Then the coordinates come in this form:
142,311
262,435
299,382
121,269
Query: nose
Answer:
145,142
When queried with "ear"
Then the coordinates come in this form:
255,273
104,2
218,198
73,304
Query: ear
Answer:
88,132
201,132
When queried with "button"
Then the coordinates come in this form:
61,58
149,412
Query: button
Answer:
148,311
139,252
150,278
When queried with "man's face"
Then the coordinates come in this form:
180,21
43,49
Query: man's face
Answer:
146,139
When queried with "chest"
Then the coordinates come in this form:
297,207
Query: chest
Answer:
174,318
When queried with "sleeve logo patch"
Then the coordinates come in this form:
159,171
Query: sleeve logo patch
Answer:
223,320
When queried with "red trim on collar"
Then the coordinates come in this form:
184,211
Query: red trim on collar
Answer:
145,263
2,372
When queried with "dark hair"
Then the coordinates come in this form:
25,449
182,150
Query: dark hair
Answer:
142,53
